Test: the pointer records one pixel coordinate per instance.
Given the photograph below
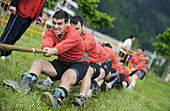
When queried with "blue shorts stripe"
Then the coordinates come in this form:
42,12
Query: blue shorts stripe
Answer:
77,73
138,74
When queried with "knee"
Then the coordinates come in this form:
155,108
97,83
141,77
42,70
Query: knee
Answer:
65,78
108,76
37,63
69,78
134,77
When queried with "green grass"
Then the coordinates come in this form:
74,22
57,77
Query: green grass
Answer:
154,97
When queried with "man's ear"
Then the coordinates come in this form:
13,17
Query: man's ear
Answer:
82,25
67,23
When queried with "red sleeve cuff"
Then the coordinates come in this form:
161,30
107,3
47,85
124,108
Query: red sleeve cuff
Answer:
59,49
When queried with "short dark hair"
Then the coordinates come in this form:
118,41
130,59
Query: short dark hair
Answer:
107,45
141,47
122,61
131,36
60,15
76,19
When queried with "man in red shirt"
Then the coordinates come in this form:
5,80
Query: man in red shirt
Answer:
70,67
90,47
137,65
116,69
105,71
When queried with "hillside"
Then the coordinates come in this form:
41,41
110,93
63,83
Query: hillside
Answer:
154,97
143,18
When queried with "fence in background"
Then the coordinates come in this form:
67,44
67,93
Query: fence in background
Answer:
4,11
120,52
38,29
34,28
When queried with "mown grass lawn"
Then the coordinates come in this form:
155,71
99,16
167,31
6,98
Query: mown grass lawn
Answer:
154,97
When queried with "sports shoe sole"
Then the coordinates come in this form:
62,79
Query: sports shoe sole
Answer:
77,102
10,86
48,97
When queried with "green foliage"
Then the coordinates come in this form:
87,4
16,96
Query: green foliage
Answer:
143,18
95,17
163,46
157,69
48,3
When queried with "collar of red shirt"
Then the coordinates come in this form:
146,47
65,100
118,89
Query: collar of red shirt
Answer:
83,33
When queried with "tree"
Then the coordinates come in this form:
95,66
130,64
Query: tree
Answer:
49,3
94,17
163,46
142,18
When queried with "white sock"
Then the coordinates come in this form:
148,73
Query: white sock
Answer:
2,57
132,85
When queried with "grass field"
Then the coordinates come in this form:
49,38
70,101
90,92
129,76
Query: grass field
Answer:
154,97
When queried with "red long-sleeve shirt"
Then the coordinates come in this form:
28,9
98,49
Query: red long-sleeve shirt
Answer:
90,46
35,8
70,46
26,7
126,72
137,60
102,54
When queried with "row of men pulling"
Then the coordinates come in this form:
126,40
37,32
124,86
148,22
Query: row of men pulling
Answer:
73,66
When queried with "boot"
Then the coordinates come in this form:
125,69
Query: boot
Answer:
75,94
96,90
53,100
103,86
25,85
80,101
94,87
45,84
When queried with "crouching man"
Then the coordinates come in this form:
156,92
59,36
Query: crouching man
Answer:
137,65
70,67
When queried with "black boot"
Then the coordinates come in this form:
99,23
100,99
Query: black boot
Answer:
80,101
25,85
55,99
45,84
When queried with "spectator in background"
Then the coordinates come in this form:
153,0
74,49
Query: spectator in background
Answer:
127,44
22,14
137,65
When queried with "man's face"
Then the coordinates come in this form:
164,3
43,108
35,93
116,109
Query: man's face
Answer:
59,26
139,51
121,64
78,27
133,39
